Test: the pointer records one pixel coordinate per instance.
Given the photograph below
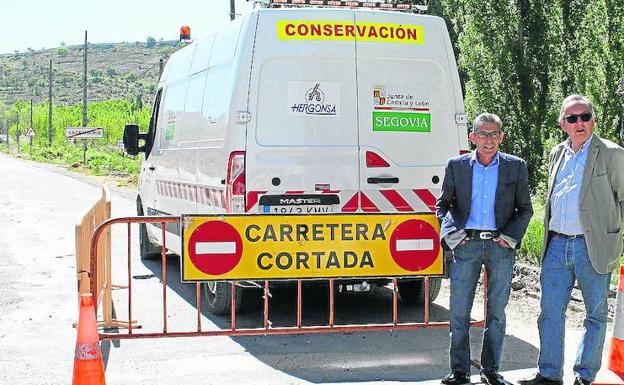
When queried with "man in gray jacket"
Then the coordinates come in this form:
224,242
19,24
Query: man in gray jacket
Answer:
582,240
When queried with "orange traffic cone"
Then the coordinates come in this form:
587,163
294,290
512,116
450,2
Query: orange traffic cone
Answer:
616,352
88,366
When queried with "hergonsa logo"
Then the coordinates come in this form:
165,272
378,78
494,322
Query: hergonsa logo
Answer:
314,98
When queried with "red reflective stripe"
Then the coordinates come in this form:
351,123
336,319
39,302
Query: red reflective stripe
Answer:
616,356
396,200
330,191
223,198
367,204
215,198
252,198
204,195
621,285
427,197
294,192
352,204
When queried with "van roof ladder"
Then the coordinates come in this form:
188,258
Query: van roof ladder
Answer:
413,8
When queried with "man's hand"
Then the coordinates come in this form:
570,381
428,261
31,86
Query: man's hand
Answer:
501,242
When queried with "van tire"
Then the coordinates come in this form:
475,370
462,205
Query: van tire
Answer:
219,297
412,292
147,250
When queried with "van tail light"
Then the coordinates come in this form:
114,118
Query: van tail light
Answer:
373,160
462,152
235,183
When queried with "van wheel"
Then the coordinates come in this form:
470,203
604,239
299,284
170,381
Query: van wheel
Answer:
413,292
147,250
219,297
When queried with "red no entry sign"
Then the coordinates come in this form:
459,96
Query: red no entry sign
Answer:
215,247
414,245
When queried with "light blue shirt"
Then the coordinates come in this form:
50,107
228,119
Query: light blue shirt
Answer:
484,183
565,198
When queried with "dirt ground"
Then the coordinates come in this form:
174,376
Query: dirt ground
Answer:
525,298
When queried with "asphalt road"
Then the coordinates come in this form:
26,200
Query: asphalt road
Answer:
39,207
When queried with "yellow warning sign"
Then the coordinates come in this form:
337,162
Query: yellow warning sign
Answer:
258,247
349,30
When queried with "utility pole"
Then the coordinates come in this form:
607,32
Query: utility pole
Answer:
6,130
232,10
30,128
84,101
17,131
161,66
50,105
620,93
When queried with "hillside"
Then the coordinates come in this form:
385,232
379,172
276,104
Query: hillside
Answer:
123,70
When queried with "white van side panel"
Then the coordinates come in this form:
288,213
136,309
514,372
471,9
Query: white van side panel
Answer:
462,126
169,134
196,130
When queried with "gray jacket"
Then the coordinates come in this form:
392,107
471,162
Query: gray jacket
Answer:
601,201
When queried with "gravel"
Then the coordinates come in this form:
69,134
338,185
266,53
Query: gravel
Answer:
526,294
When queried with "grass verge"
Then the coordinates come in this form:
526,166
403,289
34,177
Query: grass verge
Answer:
103,160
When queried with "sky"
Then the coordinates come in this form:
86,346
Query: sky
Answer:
40,24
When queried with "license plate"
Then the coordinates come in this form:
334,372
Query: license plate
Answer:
302,209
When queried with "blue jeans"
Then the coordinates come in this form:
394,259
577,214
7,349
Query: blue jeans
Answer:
565,261
465,272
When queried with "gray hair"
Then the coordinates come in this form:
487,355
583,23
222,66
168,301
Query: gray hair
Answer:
575,99
486,117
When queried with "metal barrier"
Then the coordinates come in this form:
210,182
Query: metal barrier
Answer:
266,328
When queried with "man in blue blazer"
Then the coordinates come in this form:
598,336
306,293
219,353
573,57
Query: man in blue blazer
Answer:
484,209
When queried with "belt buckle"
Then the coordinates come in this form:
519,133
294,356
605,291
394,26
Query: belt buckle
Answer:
485,235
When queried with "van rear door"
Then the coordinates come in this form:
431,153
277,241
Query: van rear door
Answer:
302,140
408,97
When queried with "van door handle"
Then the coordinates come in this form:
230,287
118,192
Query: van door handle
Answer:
152,168
383,180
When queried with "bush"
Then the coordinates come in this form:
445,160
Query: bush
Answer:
531,247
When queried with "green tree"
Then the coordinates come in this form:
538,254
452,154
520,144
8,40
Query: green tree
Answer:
504,55
520,58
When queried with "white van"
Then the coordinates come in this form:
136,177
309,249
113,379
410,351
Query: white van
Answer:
303,110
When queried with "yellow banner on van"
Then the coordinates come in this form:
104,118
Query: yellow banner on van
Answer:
259,247
348,30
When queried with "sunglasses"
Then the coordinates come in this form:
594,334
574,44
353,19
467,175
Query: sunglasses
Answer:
586,117
485,134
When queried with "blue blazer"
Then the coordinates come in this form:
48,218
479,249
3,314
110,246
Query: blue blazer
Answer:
512,207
